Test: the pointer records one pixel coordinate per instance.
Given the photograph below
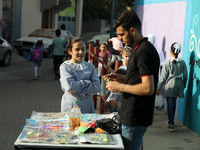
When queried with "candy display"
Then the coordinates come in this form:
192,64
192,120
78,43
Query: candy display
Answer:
48,135
53,128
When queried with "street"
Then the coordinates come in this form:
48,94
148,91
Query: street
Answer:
20,95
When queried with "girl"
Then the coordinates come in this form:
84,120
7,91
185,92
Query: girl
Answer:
103,49
173,78
36,57
79,79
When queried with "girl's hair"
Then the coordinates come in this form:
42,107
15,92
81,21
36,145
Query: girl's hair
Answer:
126,50
71,43
176,49
104,43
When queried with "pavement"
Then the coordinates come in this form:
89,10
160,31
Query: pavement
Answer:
20,95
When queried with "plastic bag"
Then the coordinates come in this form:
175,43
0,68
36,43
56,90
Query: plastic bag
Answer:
109,125
159,101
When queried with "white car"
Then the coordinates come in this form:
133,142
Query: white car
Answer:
26,43
5,52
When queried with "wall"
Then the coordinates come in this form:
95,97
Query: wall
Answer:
31,16
177,20
189,108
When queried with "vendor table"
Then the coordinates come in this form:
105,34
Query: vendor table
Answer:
117,138
36,120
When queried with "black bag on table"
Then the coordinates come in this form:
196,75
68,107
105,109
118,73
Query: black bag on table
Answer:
109,125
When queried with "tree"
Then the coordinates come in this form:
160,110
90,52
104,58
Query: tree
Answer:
7,19
101,9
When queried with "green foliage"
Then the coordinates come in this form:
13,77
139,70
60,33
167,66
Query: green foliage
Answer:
101,9
97,9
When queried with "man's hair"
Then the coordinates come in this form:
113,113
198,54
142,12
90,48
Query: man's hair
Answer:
62,26
58,32
127,20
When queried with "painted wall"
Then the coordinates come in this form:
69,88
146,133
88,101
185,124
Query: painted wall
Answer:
31,16
177,20
189,107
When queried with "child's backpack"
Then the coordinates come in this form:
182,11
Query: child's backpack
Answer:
37,54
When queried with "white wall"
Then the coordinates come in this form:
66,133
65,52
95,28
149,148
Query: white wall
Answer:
31,16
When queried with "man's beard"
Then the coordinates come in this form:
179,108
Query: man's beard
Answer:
130,40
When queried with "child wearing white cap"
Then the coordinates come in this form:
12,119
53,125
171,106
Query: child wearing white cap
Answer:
173,78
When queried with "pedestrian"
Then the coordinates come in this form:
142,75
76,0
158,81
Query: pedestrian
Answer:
59,45
103,49
159,101
36,56
113,102
67,36
139,84
173,78
79,79
117,46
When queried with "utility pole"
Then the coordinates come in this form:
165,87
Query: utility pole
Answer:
79,13
7,18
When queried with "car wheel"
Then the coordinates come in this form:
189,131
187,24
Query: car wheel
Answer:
7,59
49,51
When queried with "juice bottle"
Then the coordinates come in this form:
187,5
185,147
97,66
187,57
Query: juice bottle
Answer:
75,117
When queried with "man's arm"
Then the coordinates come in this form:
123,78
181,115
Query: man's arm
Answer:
141,89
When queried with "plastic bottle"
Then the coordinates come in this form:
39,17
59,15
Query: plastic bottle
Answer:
75,117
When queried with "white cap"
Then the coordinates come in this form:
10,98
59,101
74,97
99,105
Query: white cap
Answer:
39,39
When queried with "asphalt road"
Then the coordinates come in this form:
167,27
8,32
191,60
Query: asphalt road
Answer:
20,95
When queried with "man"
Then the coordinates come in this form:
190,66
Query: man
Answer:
67,36
58,52
140,82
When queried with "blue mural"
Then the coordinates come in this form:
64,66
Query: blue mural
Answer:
189,107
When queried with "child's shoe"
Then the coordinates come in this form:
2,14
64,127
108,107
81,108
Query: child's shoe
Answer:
171,128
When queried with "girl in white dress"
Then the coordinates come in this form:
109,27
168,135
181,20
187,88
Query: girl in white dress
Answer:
79,79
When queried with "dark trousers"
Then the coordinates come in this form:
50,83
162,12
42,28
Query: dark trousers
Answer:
57,61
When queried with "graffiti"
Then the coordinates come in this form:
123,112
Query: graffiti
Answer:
194,43
194,47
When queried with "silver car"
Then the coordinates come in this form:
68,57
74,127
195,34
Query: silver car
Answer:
26,43
5,52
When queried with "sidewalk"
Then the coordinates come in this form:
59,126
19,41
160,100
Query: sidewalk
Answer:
158,137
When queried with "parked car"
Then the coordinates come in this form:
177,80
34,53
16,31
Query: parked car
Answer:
5,52
26,43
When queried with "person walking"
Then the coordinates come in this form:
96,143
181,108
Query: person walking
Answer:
59,45
173,78
139,84
79,79
36,56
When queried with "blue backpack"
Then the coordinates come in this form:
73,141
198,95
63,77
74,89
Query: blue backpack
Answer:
37,54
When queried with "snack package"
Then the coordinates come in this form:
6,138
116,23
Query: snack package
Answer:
96,138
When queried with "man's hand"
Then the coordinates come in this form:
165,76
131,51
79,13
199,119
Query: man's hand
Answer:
157,92
73,93
113,86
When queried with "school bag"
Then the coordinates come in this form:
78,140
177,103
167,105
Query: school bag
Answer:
37,54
